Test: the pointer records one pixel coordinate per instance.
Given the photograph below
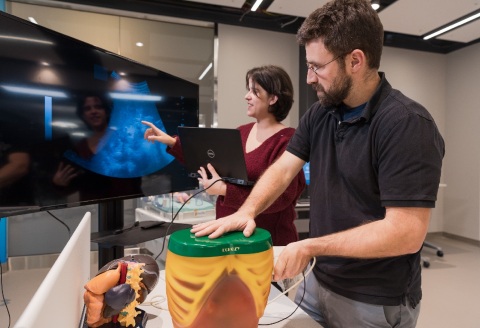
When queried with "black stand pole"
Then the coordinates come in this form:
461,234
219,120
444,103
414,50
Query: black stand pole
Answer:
110,218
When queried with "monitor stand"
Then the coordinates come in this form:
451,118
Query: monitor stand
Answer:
110,218
111,244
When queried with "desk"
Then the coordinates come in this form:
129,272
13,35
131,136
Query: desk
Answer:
275,311
142,214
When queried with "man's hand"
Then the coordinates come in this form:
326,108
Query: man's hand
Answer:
292,260
64,175
216,228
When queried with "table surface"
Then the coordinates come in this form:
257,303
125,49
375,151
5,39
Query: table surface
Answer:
142,214
158,316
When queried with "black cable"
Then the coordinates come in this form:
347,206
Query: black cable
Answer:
288,23
171,202
288,316
3,295
68,228
119,231
178,211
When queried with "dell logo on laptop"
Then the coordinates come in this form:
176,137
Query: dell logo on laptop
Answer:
210,153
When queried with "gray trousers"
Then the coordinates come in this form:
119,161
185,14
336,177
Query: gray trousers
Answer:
334,311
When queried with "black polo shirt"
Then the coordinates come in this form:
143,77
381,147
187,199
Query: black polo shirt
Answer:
389,156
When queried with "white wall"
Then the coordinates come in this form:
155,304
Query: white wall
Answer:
240,49
422,76
462,165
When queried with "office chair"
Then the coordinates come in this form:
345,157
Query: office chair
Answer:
426,260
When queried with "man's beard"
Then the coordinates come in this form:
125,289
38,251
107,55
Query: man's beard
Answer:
339,90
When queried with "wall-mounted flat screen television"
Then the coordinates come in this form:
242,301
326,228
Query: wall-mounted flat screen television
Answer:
70,122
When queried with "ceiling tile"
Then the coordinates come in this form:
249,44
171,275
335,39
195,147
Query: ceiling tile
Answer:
417,17
413,17
301,8
466,33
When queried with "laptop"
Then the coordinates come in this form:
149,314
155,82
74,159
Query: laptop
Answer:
220,147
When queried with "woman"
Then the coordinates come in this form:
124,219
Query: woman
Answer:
95,112
269,100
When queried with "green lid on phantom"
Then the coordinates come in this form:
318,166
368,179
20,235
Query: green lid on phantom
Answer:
184,243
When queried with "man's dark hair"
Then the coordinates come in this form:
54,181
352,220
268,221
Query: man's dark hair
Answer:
343,26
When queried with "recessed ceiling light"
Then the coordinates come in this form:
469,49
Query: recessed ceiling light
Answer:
139,44
256,5
205,71
466,20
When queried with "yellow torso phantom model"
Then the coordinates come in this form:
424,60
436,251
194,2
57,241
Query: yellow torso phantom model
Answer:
222,282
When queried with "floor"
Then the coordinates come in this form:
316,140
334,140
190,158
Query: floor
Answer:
451,287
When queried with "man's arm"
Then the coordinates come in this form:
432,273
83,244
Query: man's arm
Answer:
17,166
269,187
401,232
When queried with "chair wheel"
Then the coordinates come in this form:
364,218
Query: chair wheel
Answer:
426,264
440,253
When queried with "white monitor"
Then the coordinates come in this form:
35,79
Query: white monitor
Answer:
58,302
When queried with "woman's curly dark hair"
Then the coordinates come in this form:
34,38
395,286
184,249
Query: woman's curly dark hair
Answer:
274,80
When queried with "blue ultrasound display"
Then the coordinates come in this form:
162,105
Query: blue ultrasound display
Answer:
123,152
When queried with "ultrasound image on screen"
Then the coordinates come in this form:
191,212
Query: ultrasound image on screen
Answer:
122,151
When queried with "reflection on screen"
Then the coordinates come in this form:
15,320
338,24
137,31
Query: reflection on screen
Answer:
123,152
59,155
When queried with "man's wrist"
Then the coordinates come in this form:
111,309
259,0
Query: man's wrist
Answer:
247,212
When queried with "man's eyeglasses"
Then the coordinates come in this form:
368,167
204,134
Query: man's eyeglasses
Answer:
315,68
